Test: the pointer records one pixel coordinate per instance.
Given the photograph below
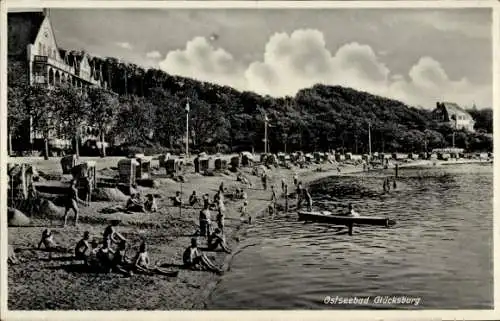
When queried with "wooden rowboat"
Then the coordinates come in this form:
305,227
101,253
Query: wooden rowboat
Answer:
328,217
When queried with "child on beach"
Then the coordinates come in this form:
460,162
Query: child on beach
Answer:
83,247
204,221
50,245
177,200
150,203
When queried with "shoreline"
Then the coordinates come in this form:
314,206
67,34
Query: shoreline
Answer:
167,235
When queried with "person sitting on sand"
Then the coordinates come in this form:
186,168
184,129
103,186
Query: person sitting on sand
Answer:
71,202
243,179
177,200
92,258
83,247
110,235
141,263
134,203
116,260
12,258
351,212
150,204
50,245
193,199
217,239
194,259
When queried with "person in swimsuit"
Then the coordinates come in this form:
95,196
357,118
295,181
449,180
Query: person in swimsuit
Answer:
204,221
71,202
216,239
194,259
150,204
83,247
193,199
220,219
141,263
177,200
50,245
110,235
351,212
309,200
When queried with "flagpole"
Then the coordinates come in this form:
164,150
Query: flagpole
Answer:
370,139
265,135
187,130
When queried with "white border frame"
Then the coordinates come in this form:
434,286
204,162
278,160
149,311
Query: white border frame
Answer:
249,315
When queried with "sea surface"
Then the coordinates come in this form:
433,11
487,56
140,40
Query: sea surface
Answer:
439,252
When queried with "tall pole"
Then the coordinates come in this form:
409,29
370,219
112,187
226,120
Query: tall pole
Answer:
187,129
265,134
370,140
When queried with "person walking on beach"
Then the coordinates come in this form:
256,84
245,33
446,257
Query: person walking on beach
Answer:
299,195
71,202
283,184
220,219
274,198
206,200
295,179
243,211
308,198
221,187
205,221
264,181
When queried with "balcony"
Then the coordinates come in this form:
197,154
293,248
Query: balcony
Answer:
61,66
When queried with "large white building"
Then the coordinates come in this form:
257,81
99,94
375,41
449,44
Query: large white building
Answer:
31,39
453,115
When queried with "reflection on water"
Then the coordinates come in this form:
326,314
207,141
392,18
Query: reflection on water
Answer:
440,250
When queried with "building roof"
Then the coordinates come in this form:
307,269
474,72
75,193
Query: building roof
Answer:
23,27
453,108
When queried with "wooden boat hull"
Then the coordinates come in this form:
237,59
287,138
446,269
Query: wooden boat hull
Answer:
344,220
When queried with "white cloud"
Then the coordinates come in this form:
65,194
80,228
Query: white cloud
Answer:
299,60
153,54
124,45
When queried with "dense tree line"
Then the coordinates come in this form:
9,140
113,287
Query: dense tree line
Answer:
146,108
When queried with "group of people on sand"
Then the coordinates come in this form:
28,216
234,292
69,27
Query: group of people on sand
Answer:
135,203
110,255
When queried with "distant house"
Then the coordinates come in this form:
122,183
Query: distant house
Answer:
453,115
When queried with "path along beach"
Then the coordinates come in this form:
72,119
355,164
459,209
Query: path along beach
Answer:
38,283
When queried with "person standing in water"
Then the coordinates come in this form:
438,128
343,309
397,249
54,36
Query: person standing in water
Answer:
308,198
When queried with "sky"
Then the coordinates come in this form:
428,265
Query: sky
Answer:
418,56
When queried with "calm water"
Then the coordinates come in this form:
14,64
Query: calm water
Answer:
440,250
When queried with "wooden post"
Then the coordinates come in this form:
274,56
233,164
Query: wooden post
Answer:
286,198
351,225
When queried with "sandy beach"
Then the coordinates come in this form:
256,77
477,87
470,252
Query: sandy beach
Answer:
60,283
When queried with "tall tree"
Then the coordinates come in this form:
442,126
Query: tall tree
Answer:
104,108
